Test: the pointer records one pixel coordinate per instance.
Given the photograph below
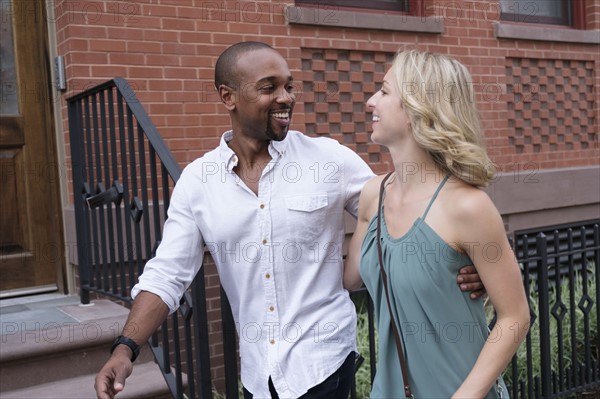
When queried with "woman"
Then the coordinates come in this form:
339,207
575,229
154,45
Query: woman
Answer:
435,218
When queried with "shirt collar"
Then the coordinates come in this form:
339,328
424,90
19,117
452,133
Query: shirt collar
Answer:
277,148
230,159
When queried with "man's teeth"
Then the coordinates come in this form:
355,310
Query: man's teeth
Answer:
281,115
375,118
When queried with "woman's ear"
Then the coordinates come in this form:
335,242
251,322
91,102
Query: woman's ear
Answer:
227,96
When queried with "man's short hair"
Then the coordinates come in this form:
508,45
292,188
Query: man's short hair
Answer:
225,68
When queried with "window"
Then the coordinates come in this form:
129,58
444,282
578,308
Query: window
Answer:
556,12
391,15
408,6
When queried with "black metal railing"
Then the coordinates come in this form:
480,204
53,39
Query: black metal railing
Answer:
123,175
560,355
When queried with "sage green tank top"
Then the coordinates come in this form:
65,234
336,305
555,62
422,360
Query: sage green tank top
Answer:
442,329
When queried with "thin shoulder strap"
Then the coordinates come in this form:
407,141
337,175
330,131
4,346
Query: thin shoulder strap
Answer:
437,191
399,346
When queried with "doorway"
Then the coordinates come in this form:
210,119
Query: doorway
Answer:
31,236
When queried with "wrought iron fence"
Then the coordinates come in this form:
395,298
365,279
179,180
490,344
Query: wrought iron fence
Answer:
123,175
560,355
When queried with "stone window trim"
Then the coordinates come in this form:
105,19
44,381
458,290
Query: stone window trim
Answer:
524,31
335,17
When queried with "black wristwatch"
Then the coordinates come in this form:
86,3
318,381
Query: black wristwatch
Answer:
123,340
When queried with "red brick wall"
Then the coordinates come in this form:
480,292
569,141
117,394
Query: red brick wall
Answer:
167,49
592,11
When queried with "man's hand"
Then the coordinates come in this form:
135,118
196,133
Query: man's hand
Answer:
146,315
468,280
111,378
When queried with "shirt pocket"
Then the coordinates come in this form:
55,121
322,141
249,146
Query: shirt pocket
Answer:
306,216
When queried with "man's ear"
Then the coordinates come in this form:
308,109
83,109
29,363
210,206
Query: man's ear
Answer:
227,96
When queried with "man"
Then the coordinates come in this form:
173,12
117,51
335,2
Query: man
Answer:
268,204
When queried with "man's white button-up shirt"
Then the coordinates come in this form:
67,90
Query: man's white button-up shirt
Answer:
278,254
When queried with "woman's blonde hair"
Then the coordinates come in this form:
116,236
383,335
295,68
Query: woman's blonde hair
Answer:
439,99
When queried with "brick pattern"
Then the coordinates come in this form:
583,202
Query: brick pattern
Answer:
336,86
167,49
551,105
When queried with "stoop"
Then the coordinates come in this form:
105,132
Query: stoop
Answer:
53,348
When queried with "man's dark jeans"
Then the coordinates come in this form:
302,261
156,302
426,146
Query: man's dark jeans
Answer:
335,386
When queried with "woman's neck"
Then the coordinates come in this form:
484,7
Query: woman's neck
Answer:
413,165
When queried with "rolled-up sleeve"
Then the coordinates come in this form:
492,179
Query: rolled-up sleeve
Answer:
179,255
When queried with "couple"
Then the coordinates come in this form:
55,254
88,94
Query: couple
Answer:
251,214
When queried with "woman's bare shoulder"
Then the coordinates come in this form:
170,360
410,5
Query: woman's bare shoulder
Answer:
372,186
369,197
467,202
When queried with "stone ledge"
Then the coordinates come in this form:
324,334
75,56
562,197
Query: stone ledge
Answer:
545,33
530,189
333,17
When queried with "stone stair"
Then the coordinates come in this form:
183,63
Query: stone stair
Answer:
53,348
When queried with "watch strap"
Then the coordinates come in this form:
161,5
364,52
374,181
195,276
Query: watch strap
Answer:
123,340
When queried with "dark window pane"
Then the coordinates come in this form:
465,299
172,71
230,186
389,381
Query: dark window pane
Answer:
9,102
394,5
536,11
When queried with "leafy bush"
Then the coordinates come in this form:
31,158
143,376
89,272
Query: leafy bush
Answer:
363,375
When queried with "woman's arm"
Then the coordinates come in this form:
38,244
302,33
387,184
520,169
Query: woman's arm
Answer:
367,205
482,235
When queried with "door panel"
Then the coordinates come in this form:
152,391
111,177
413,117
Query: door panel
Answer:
31,232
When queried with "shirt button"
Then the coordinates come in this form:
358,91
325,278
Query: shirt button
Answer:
272,342
264,241
262,206
267,275
271,308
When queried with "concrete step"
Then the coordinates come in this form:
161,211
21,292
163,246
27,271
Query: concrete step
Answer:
54,348
146,382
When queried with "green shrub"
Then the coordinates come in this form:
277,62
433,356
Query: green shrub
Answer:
363,375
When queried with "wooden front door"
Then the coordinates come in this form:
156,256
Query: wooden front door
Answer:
31,242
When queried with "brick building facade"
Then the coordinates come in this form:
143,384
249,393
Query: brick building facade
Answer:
537,84
535,65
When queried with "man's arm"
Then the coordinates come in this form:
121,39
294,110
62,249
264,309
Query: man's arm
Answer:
147,314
